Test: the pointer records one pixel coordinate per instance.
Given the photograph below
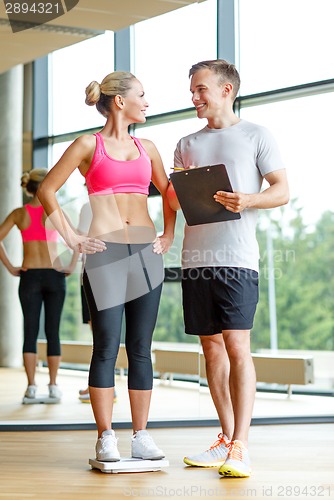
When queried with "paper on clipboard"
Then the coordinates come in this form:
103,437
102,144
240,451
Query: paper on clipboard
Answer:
195,188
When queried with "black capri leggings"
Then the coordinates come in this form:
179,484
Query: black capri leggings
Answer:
123,278
37,287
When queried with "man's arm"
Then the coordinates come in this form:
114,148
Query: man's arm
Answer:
275,195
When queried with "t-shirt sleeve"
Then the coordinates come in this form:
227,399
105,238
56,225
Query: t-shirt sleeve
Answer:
178,163
268,154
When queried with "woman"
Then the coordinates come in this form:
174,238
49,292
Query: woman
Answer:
124,269
40,282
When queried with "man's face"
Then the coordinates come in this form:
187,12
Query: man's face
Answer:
207,93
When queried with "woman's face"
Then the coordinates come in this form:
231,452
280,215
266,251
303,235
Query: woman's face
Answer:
135,104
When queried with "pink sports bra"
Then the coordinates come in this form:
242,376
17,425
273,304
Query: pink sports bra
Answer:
36,231
109,176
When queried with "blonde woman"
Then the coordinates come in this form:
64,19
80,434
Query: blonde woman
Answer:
124,270
40,282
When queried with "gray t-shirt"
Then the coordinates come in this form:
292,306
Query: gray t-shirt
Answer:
249,152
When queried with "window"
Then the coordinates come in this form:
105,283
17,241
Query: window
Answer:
165,49
302,128
284,43
73,68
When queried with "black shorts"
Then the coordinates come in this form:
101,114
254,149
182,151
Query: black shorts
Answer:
219,298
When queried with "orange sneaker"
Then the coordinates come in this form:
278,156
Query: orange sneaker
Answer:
237,463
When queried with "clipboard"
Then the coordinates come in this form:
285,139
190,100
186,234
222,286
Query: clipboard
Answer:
195,188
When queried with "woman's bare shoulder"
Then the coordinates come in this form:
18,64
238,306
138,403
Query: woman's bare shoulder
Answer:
86,141
146,143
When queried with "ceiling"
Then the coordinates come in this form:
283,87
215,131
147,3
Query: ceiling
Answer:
85,19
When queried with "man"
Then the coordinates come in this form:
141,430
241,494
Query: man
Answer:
220,260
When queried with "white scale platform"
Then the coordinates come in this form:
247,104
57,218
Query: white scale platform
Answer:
42,399
129,465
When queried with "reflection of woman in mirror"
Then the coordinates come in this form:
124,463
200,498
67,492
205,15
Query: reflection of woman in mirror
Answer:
124,268
42,281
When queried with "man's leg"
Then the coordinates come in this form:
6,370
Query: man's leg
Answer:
217,369
242,387
242,381
218,372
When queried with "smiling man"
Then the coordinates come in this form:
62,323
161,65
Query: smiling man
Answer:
220,260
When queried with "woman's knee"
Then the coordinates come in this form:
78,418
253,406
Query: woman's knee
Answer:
140,377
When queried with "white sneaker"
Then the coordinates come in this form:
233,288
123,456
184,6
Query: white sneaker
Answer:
215,456
106,447
31,392
85,398
143,446
54,391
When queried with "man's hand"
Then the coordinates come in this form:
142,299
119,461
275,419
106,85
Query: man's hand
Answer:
234,202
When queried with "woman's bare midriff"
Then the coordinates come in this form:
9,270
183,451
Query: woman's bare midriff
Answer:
121,218
40,255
